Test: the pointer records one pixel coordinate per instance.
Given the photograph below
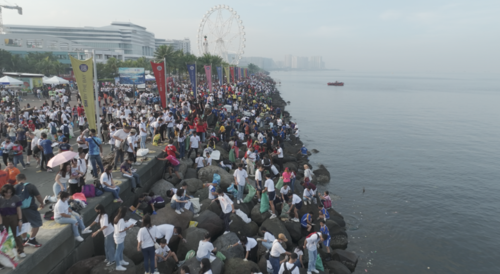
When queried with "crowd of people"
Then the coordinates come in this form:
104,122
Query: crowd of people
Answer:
228,116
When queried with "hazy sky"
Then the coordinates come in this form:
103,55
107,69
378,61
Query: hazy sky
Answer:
383,35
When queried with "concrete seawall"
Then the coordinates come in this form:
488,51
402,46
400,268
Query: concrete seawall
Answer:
60,249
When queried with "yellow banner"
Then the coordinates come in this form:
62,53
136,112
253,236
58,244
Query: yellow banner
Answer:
84,73
228,76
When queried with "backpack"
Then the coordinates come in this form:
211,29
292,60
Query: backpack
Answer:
66,130
288,271
267,162
88,191
327,203
24,195
53,129
98,186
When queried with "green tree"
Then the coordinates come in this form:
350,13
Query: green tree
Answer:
167,53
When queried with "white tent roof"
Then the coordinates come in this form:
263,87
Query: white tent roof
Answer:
7,80
59,80
50,81
149,77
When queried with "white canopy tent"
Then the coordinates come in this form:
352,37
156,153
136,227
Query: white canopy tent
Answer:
7,80
150,77
50,81
59,80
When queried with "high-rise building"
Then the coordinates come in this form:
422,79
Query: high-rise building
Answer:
261,62
288,61
297,62
184,45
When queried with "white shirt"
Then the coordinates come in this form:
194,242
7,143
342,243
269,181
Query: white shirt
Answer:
240,176
162,251
104,223
60,207
258,175
142,126
308,173
296,199
209,161
84,145
277,249
204,248
194,141
280,152
269,237
250,244
106,180
144,237
225,203
289,266
284,190
166,231
199,161
82,165
120,134
131,141
117,235
270,185
312,241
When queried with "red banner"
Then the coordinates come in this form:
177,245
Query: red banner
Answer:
231,70
159,71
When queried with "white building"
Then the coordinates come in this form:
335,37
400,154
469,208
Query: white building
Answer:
184,45
261,62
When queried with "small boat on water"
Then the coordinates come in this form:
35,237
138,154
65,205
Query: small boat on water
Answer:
336,84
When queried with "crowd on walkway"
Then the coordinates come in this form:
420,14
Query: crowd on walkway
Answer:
226,116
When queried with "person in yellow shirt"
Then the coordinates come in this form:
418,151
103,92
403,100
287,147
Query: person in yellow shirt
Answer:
222,131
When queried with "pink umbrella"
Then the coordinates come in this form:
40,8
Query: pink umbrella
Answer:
62,158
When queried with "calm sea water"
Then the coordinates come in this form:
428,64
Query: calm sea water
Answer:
426,148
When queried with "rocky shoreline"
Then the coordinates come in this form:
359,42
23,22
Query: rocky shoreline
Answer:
340,261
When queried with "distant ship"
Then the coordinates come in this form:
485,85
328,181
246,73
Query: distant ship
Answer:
336,84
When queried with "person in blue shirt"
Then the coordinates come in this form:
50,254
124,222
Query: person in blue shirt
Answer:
46,147
95,150
60,136
326,233
306,221
303,151
323,213
65,146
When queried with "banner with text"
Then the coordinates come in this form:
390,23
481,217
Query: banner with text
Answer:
231,70
159,72
226,71
192,76
208,73
132,76
84,74
219,74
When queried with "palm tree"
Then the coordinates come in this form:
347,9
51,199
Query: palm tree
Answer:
111,67
167,53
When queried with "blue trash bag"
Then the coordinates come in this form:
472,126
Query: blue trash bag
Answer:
216,178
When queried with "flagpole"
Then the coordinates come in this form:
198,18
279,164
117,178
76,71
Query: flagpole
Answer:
195,81
96,97
166,81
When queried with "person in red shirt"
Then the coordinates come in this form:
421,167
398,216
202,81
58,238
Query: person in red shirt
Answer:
170,149
80,110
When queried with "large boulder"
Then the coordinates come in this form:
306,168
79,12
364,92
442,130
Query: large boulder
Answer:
167,215
258,217
224,154
85,266
347,258
322,174
290,165
193,185
130,247
101,267
241,228
202,193
295,230
336,267
193,236
208,205
339,240
276,226
161,187
211,222
217,266
174,179
191,173
223,242
245,207
206,174
237,265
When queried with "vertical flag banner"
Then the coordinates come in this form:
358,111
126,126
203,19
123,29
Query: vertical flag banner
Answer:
219,74
236,76
84,74
231,70
159,72
226,70
208,74
192,76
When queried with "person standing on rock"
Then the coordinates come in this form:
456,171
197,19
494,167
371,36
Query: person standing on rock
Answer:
227,207
95,151
120,136
290,267
120,232
205,247
107,230
276,251
311,244
271,193
250,158
146,243
240,178
194,143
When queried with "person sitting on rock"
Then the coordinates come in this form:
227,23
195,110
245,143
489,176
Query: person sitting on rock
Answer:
308,195
306,221
323,213
163,253
178,202
250,245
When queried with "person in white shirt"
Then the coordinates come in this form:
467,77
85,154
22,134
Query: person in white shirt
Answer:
132,144
258,179
227,207
269,188
208,160
279,159
167,231
163,253
250,159
268,239
206,267
240,178
120,231
290,266
120,136
205,247
194,144
311,243
199,161
308,172
64,215
108,184
276,250
146,239
295,204
250,245
107,230
143,132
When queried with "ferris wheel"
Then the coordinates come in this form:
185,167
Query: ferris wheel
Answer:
222,33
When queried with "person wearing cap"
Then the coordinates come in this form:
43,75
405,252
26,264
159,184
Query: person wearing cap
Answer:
276,251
